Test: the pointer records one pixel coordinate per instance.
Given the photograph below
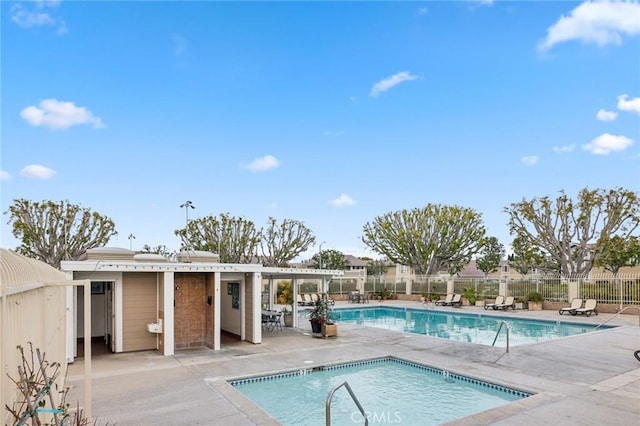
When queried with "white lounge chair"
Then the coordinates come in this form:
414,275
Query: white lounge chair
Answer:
445,301
455,301
575,304
590,307
509,302
499,301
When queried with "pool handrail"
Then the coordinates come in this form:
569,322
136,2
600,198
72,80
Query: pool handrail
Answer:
498,333
618,313
353,396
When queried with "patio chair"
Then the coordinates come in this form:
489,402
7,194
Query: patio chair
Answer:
509,302
575,304
302,302
354,297
590,307
455,301
499,301
444,301
308,299
272,320
314,298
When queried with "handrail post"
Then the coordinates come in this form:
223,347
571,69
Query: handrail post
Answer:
498,333
353,396
618,313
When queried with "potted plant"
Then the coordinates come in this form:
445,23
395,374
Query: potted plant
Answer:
469,295
287,314
423,296
320,318
520,303
285,297
480,301
534,300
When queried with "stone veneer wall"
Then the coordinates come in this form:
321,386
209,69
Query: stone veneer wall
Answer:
190,310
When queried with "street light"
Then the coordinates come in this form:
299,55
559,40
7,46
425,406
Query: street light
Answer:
320,262
186,206
131,238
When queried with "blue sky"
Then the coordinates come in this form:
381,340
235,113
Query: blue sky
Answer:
330,113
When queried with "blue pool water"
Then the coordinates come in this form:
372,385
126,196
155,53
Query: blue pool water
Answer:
390,390
472,328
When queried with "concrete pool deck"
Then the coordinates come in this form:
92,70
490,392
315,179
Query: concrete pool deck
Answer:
585,379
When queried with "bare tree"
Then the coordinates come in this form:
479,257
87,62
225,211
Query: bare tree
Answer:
571,232
428,239
56,231
283,242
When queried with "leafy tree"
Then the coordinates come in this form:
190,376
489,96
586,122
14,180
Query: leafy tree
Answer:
234,239
428,239
617,253
570,232
490,256
331,259
281,243
524,257
377,267
56,231
160,249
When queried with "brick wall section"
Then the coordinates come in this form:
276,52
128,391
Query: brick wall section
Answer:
190,310
210,323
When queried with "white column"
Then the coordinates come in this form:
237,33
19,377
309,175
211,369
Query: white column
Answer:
257,306
294,305
87,349
216,311
70,292
168,323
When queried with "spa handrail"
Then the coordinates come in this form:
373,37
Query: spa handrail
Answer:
353,396
498,333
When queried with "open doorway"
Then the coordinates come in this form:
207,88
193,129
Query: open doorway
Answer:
102,319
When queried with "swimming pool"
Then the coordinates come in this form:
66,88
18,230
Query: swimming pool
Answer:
471,328
391,390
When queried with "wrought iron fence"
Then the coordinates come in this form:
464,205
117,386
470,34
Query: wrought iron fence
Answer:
605,288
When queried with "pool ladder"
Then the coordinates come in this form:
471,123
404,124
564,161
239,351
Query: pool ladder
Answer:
353,396
506,326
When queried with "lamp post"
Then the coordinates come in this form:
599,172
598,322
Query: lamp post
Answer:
131,238
323,290
186,206
320,261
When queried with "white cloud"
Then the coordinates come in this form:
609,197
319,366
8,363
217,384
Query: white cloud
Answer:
4,175
37,171
342,200
56,114
35,14
180,45
353,98
333,132
607,143
628,105
389,82
422,11
263,164
566,148
600,22
604,115
483,2
529,160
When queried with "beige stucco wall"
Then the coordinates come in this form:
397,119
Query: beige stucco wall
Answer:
30,311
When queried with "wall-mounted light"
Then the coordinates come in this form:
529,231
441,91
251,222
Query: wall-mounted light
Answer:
177,287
